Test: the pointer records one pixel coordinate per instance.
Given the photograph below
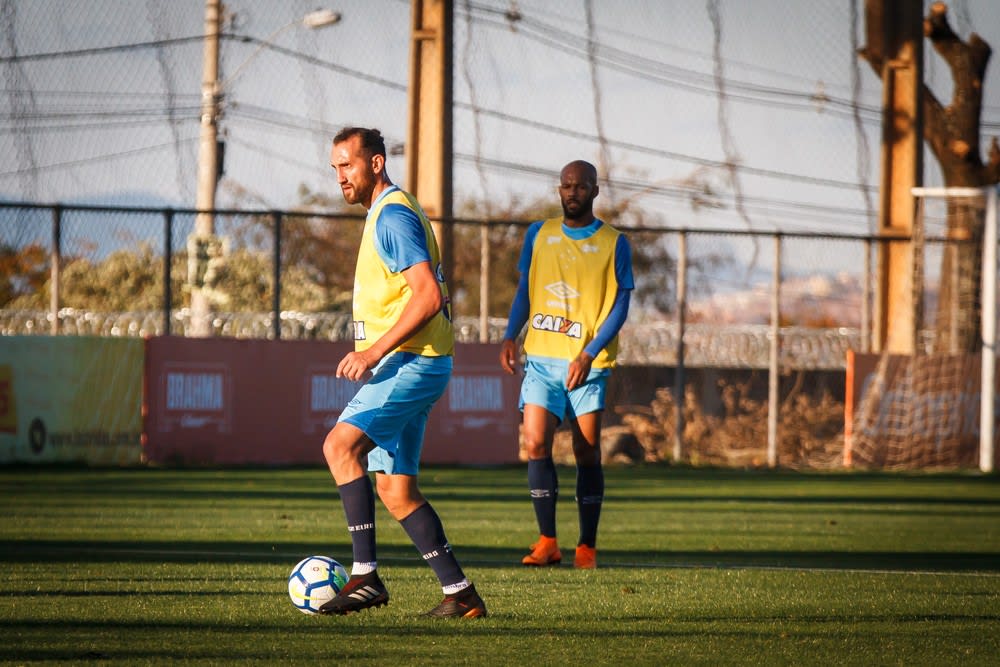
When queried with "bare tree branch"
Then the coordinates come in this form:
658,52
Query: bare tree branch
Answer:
953,131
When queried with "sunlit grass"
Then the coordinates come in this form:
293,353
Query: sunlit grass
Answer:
697,567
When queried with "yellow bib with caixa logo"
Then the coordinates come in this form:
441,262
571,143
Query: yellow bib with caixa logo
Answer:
380,295
571,288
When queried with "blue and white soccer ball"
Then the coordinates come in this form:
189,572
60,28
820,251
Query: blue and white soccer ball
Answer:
315,580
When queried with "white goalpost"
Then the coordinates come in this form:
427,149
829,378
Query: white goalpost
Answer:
987,438
937,408
988,337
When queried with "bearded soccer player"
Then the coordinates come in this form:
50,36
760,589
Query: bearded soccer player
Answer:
573,292
403,351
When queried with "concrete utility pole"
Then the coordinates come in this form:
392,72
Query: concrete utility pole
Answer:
429,133
208,175
205,249
900,48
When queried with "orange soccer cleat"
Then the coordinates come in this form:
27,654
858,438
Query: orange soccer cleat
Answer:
586,557
543,552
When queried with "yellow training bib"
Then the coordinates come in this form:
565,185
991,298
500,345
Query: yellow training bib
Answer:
380,295
571,288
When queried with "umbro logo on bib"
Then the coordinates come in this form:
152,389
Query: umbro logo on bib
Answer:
562,290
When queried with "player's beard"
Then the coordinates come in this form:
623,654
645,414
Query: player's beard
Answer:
356,193
578,211
350,194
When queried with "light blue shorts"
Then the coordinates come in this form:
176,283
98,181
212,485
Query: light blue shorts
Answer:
392,409
545,385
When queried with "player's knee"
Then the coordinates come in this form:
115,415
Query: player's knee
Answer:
536,447
336,450
399,501
587,454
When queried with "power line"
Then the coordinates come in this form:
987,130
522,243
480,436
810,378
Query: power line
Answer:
567,132
678,77
98,50
93,160
45,119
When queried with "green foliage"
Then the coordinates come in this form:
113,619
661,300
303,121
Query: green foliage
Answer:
319,245
132,280
246,279
127,279
697,567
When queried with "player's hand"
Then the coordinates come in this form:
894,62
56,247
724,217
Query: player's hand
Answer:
508,356
579,369
356,365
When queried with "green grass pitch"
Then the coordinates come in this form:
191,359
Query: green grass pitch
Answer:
697,567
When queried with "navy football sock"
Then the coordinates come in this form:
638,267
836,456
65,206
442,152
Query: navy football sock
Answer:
423,525
589,498
544,487
358,498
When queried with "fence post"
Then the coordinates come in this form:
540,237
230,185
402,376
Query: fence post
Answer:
168,255
484,282
679,379
276,295
56,260
772,376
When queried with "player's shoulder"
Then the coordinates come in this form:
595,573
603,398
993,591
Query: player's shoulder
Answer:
532,231
398,214
536,225
607,227
620,237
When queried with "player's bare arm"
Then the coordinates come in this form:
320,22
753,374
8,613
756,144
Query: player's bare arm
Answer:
425,302
508,356
579,369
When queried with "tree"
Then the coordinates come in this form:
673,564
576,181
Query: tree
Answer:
126,280
23,271
953,134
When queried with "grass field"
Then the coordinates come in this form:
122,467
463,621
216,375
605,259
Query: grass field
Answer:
697,567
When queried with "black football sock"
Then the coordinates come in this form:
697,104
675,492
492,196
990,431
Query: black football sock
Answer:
423,525
544,486
589,498
358,498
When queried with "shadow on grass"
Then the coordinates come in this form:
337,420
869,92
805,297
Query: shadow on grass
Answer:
642,485
66,551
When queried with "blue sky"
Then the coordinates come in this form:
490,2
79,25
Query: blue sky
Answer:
122,126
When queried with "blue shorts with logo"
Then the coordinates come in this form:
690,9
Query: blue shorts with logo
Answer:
392,409
545,385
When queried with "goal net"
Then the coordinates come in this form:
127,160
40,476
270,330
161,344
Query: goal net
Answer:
936,408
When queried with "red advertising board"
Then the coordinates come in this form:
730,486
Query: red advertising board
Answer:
231,401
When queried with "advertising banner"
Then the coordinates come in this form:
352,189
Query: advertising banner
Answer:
70,399
229,401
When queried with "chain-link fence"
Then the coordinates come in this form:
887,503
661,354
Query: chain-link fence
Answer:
715,314
736,142
130,272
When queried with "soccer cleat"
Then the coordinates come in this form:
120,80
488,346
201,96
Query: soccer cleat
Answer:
360,592
464,604
586,557
543,552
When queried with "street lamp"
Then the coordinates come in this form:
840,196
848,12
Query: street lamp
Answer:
204,246
318,18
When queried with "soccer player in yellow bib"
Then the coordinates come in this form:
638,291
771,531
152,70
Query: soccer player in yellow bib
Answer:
573,292
403,345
